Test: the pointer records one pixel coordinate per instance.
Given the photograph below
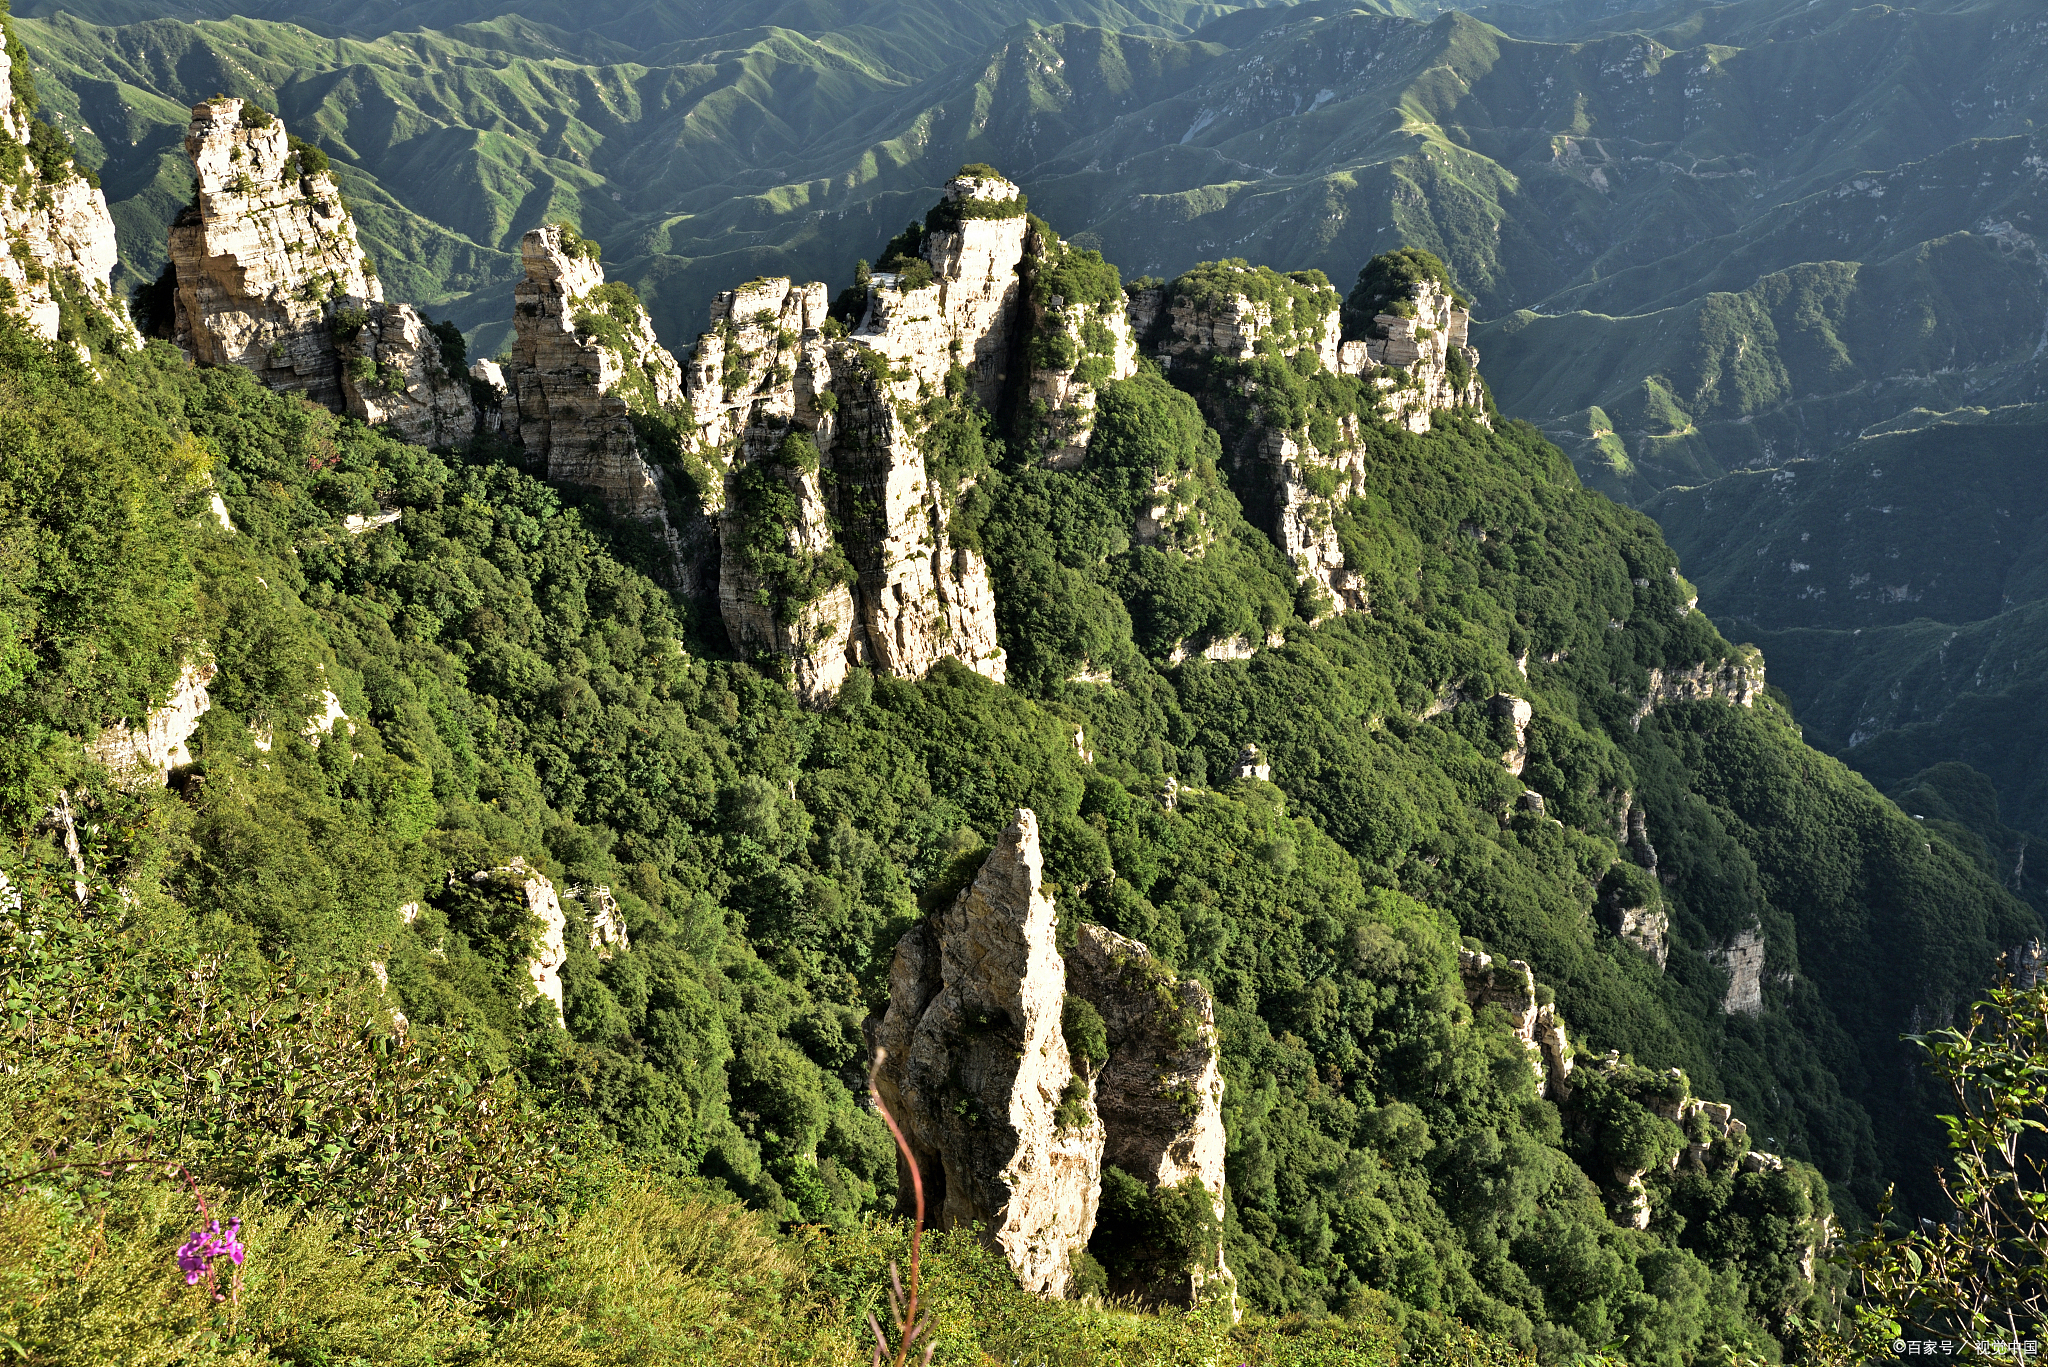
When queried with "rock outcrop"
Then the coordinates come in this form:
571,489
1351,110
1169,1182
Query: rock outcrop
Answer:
264,255
1511,985
1739,681
1413,366
143,756
59,245
1517,713
1743,958
396,370
1160,1092
1590,1094
584,361
1421,361
548,950
267,273
1010,1130
833,540
975,1068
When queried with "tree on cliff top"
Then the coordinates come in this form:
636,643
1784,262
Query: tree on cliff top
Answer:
1390,279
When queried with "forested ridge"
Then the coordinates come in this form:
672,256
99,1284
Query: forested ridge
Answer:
515,686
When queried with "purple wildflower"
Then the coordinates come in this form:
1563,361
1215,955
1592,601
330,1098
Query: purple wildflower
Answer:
197,1254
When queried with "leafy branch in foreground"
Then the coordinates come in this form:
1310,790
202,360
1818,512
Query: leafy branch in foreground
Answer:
1979,1278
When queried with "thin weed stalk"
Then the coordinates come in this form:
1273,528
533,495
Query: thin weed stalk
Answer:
903,1305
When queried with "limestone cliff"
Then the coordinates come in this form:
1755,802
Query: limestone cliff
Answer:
976,1070
548,949
584,362
143,756
1159,1092
394,370
806,450
1419,358
1011,1130
1739,681
1743,960
1076,346
1594,1095
59,238
1295,477
1511,985
264,255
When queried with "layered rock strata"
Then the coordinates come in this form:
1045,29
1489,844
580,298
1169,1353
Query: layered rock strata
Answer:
574,382
1416,366
1160,1092
264,255
59,237
974,1067
1423,364
833,545
268,274
1739,681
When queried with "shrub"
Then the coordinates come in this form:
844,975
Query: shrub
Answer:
303,160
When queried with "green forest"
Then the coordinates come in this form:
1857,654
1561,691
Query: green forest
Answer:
203,1000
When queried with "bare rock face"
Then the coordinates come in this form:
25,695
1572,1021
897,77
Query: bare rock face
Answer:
144,756
1099,343
393,371
1417,366
264,256
581,366
976,1070
1518,713
1160,1092
59,237
549,950
974,299
1743,957
1438,368
2028,964
814,510
1739,681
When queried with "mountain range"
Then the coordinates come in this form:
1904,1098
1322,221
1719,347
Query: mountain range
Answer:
682,724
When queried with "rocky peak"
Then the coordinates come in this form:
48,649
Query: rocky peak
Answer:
964,314
268,274
1010,1131
264,254
975,1068
584,362
1416,364
59,244
833,546
1424,362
